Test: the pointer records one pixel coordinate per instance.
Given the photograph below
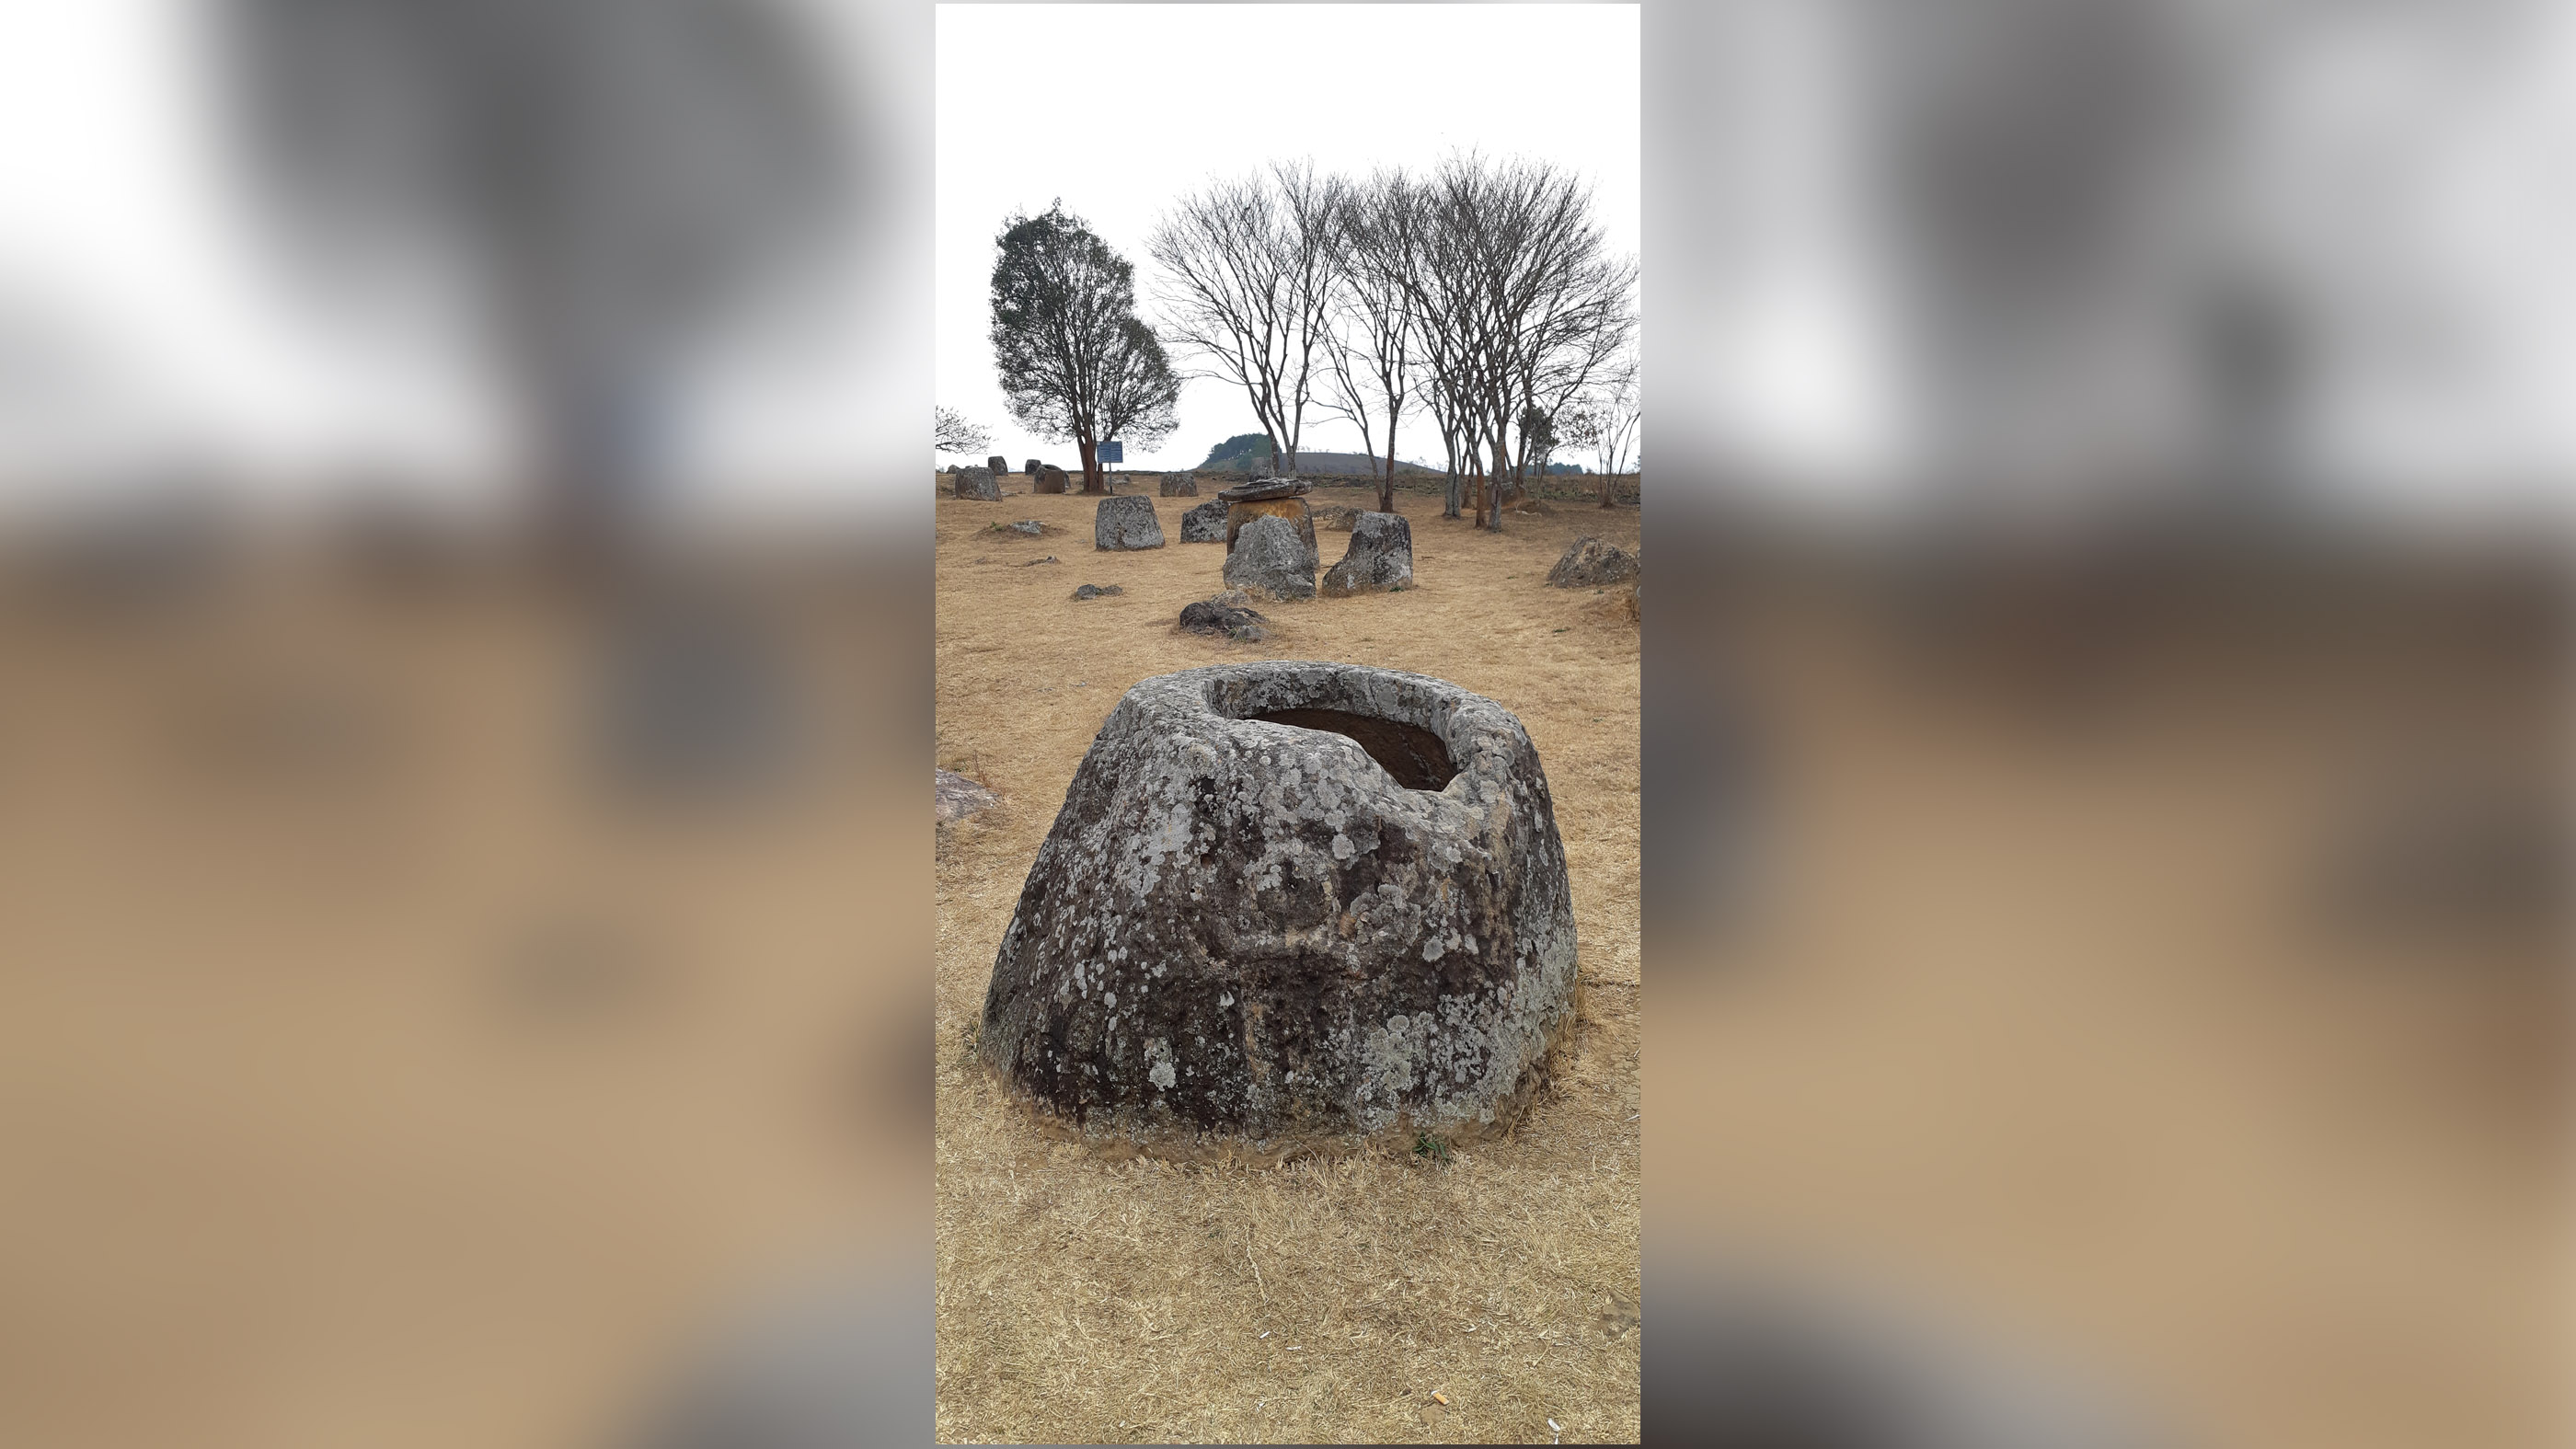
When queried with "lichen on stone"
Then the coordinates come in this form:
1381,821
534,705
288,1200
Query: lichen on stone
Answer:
1244,927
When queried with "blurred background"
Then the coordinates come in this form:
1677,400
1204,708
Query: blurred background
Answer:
2106,841
463,687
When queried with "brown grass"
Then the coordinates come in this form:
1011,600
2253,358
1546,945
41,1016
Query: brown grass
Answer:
1082,1299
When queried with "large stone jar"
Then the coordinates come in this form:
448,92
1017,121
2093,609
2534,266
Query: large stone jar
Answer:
1287,902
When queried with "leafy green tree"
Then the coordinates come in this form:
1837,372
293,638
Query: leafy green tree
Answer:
1076,364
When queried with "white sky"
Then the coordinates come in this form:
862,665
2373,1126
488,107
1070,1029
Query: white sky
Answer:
1119,109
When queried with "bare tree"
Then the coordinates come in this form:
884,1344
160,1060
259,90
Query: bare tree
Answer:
1605,420
950,432
1249,267
1346,383
1380,245
1416,239
1076,365
1521,304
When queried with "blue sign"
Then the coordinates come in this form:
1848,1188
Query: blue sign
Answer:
1112,451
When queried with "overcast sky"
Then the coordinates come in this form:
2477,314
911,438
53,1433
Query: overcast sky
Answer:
1118,109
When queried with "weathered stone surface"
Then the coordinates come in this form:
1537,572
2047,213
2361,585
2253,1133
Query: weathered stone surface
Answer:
978,483
1271,558
1292,509
1033,563
1095,591
1027,527
1589,562
1380,557
1047,480
1205,523
1286,902
999,464
1224,614
1126,523
958,797
1180,485
1035,467
1260,488
1336,517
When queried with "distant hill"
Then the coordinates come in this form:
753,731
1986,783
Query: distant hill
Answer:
1234,451
1250,453
1310,460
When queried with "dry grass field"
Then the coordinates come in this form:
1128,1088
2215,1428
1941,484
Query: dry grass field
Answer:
1372,1298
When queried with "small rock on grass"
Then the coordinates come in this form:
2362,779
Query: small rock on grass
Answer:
1588,561
1221,616
1094,591
1033,563
958,797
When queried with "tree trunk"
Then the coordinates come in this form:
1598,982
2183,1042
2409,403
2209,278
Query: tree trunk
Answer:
1606,490
1449,501
1091,479
1386,480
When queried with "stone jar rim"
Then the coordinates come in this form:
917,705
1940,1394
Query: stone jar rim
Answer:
1480,736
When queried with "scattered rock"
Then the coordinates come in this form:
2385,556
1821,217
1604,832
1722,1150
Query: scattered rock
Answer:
1380,557
959,797
1336,516
979,484
1048,480
1589,562
1270,557
1205,523
1289,901
999,464
1033,563
1263,488
1028,527
1126,523
1035,467
1095,591
1223,614
1180,485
